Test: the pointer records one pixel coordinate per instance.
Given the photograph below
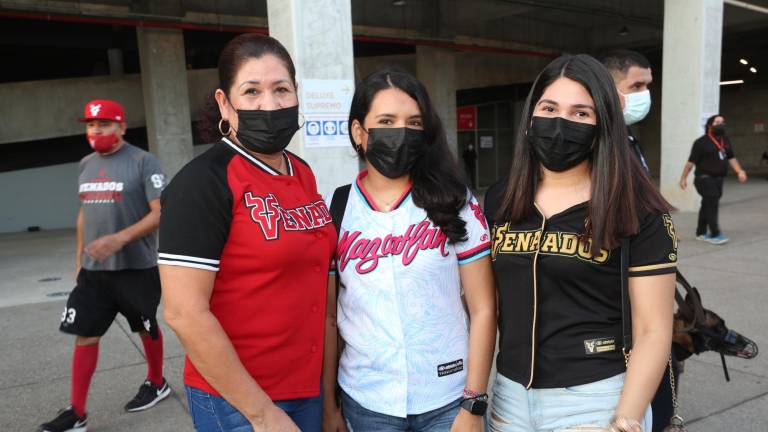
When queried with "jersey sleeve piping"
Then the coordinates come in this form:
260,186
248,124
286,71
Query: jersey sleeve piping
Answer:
474,254
653,269
185,261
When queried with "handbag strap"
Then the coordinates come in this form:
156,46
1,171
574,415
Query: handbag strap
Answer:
626,333
626,317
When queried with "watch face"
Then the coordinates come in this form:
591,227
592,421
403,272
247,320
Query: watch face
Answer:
475,406
479,407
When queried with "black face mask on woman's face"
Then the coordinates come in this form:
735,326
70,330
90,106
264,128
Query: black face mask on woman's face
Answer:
267,132
393,151
718,129
560,144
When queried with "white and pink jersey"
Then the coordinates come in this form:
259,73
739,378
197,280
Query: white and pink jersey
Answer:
399,304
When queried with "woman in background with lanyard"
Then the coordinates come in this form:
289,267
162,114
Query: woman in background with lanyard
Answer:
711,154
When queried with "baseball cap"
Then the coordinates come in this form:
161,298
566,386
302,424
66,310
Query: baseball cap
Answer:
103,109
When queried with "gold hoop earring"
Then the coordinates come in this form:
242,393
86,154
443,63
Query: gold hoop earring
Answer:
229,129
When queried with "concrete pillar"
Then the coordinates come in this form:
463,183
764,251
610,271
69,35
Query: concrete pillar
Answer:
690,87
115,58
318,34
436,68
166,96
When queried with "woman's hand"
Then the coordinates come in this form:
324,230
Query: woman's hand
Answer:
274,420
333,421
467,422
683,183
742,176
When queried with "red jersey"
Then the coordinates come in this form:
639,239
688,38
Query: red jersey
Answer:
270,239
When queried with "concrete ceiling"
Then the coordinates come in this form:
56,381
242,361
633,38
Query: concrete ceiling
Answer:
562,25
567,25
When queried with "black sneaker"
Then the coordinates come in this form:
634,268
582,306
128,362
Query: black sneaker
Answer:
66,421
148,396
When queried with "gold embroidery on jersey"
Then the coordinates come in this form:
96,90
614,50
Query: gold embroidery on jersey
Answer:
670,225
552,243
596,346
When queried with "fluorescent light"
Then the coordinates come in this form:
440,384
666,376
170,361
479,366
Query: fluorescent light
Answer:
753,70
732,82
743,61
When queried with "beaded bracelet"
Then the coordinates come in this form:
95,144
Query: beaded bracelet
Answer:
470,394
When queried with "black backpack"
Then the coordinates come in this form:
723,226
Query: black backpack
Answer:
339,204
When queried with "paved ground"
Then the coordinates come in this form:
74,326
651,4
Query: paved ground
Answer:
36,272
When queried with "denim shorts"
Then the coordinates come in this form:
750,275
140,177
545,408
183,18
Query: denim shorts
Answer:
214,414
515,409
360,419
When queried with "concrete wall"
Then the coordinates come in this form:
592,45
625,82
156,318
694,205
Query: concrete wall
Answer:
47,196
477,70
44,197
473,69
743,106
367,65
50,109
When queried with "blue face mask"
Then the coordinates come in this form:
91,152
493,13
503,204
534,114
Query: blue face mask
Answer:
636,106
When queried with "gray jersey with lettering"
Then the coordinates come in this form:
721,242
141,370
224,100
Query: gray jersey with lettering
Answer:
115,191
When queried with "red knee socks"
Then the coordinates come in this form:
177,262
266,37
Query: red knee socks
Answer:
83,365
154,352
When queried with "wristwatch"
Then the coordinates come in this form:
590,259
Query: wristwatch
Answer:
476,405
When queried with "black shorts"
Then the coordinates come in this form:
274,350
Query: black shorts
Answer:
100,295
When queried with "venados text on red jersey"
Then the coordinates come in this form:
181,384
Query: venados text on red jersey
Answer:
267,212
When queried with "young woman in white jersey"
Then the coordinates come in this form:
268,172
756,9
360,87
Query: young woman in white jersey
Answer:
411,241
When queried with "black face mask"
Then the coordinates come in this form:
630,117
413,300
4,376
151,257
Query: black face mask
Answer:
393,151
267,131
718,129
560,144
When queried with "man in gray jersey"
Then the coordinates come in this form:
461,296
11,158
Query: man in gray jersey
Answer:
116,263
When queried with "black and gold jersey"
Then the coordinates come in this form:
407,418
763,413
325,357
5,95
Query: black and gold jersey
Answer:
559,300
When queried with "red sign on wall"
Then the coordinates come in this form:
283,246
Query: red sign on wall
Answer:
466,117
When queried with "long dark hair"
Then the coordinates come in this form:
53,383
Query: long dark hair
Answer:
621,190
238,51
437,186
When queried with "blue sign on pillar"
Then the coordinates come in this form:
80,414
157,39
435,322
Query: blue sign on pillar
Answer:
330,127
313,128
343,127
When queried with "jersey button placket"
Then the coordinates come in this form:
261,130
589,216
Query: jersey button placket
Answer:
394,265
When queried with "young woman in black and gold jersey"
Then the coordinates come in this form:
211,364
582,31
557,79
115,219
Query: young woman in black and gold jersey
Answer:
574,192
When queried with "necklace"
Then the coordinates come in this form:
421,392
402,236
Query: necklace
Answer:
388,202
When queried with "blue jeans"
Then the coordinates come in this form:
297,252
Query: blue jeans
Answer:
214,414
360,419
515,409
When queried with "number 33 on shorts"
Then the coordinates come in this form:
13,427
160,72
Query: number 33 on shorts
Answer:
68,315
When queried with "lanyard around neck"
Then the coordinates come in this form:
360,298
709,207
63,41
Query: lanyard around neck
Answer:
719,144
